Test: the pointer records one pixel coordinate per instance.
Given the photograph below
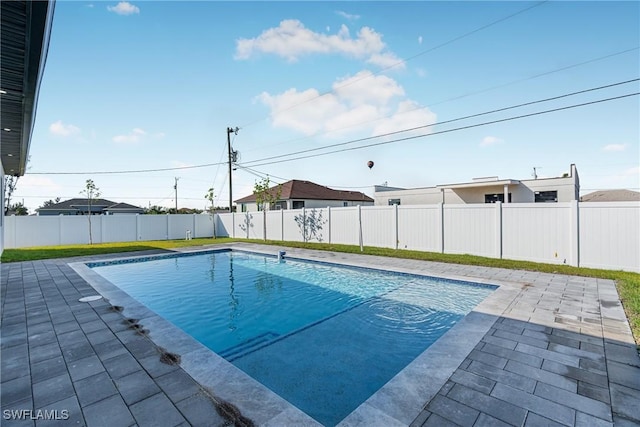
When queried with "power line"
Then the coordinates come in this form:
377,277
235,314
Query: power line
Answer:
355,140
455,98
447,121
448,42
454,129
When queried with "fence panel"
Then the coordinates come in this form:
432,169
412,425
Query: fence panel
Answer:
379,226
75,229
249,225
28,231
470,229
419,228
204,225
154,227
224,225
179,225
292,232
537,232
344,226
274,225
609,235
119,228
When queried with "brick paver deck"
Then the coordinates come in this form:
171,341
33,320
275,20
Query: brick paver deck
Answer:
561,353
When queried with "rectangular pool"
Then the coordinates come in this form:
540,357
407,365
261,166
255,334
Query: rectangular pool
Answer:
322,336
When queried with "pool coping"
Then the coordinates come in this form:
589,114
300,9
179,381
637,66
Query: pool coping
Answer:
398,402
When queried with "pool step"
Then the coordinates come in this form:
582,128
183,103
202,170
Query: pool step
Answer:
248,346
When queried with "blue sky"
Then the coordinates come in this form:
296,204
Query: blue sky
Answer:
154,84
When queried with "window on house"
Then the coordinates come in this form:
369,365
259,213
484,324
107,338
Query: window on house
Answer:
546,196
279,205
394,202
493,198
243,207
298,204
345,204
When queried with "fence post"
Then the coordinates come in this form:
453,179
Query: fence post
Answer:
102,227
360,228
441,226
396,221
194,226
59,228
233,224
329,221
574,253
499,230
138,236
167,236
282,225
304,224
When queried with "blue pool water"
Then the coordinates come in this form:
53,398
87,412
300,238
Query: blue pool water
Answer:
322,336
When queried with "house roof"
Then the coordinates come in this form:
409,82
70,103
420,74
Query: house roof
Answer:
74,204
122,206
25,29
296,189
611,196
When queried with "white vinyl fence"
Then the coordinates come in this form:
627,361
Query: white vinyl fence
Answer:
598,235
26,231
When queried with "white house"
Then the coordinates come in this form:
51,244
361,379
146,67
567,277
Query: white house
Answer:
296,194
486,190
25,29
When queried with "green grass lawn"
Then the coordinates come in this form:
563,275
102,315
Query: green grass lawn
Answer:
628,284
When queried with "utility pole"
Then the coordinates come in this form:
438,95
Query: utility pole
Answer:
232,158
175,187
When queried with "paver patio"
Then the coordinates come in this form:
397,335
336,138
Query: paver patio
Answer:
560,353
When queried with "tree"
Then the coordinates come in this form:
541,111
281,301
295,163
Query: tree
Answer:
211,209
155,210
18,209
50,203
265,197
91,192
10,183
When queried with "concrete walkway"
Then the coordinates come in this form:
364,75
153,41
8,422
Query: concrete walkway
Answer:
558,352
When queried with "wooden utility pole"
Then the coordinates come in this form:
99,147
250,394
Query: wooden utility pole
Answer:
231,160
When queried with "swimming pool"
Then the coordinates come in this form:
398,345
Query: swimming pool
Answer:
324,337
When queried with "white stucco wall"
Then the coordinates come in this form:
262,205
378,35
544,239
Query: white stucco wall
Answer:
568,189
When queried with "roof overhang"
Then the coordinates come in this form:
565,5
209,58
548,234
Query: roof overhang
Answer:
26,29
479,184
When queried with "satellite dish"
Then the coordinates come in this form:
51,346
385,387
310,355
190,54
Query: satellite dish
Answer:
370,164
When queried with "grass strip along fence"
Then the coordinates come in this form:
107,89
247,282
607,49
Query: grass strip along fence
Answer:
627,283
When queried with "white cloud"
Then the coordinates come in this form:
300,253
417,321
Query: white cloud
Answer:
124,8
419,39
348,16
362,103
615,147
632,171
490,140
132,137
60,129
291,40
